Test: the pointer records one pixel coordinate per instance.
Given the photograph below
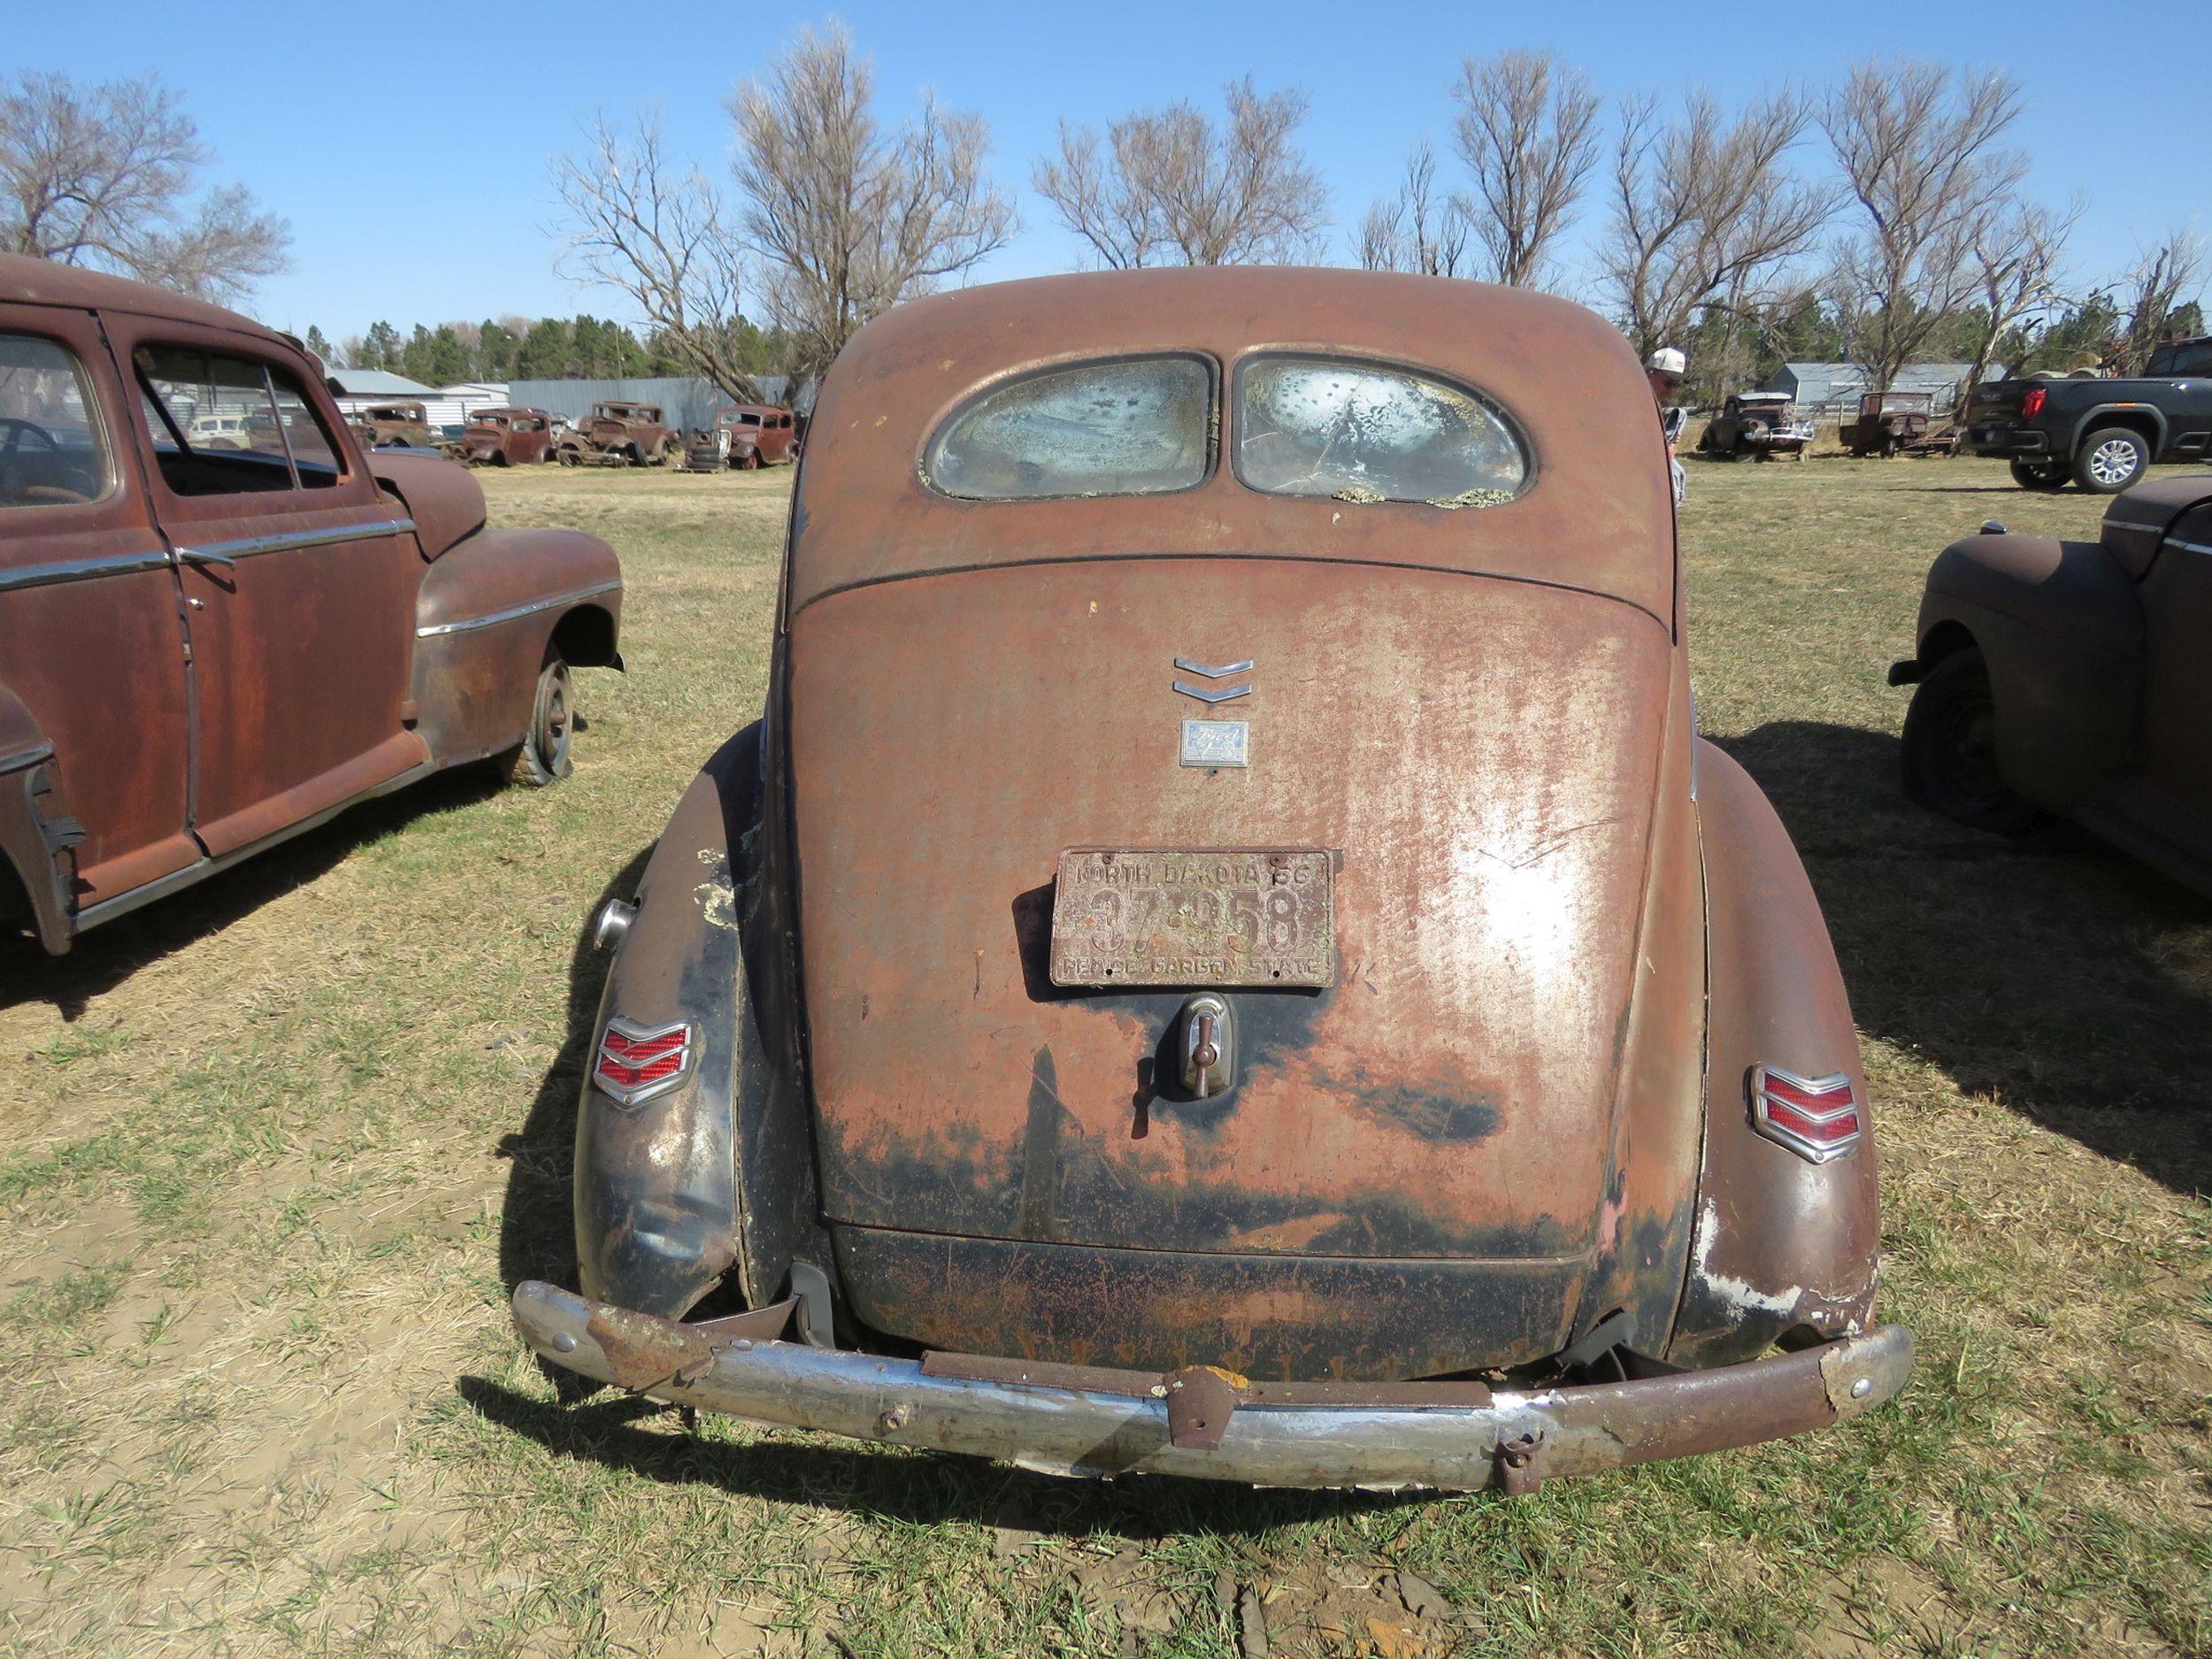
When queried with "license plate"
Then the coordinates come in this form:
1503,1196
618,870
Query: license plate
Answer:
1253,915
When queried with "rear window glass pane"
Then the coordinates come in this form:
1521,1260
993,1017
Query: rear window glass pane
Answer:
1358,432
1136,426
51,452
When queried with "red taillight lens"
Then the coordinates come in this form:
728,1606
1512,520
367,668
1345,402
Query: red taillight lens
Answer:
1816,1118
635,1063
2031,406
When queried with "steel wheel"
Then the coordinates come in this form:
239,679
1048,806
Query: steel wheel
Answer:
542,757
1950,749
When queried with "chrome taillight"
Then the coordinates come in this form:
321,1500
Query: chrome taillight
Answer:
635,1063
1818,1118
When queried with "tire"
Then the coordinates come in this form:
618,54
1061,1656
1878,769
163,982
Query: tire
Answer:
2040,475
541,758
749,462
570,458
1950,749
2110,459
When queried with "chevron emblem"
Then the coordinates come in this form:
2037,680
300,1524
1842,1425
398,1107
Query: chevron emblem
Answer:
1207,694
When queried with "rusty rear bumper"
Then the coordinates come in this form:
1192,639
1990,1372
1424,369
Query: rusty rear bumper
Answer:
1087,1420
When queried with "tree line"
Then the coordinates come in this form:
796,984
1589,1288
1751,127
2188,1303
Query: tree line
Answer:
512,347
1881,220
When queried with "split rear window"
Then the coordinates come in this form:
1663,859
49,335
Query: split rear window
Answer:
1302,426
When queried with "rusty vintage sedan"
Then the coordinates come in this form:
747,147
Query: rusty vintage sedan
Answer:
2072,679
1225,954
208,647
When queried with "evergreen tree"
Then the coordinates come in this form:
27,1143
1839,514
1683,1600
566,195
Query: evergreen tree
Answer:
381,347
322,348
496,350
544,352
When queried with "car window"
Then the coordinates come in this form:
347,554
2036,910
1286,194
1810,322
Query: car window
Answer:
1129,427
52,452
1363,432
2189,360
224,425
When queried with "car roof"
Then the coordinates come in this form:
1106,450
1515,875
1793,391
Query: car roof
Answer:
32,281
1599,515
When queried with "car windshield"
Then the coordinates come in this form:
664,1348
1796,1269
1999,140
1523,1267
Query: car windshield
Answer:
1129,427
1366,431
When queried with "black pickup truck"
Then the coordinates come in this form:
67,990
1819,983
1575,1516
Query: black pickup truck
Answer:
2100,434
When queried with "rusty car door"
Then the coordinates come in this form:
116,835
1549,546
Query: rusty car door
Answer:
299,579
93,649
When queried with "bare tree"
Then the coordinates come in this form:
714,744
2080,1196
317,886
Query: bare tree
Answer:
2017,248
1920,149
850,218
1420,230
1168,189
653,229
1705,213
107,175
2161,280
1527,130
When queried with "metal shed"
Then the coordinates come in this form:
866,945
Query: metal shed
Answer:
1830,391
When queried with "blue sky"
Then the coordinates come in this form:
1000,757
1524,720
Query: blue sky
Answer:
413,171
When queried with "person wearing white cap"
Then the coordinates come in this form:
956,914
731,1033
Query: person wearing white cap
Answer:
1664,369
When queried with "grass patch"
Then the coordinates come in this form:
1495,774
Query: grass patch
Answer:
280,1145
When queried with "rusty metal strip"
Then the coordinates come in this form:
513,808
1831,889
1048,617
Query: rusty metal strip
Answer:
249,547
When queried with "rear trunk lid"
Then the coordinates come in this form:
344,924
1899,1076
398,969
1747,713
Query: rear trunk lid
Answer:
1479,755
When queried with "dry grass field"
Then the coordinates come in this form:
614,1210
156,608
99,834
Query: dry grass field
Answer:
272,1154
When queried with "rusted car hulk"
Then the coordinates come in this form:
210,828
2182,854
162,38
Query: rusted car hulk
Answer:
620,434
507,437
1225,942
1889,424
210,650
1758,424
2070,678
761,435
394,426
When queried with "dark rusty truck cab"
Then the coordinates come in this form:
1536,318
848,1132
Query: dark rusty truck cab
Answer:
1210,944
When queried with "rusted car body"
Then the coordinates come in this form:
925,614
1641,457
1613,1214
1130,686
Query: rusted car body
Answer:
619,434
210,650
1889,423
1225,953
507,437
394,426
761,435
2071,677
1758,424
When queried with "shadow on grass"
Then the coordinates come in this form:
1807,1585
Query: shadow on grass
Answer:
920,1488
104,957
537,1237
2049,972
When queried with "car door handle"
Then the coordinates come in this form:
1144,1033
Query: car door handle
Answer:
201,556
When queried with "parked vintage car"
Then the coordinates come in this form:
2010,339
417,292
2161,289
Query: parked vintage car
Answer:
507,437
208,649
1269,923
2071,677
1759,423
619,434
1889,423
761,435
394,426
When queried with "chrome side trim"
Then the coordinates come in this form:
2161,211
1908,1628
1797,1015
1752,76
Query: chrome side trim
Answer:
23,758
2189,547
2123,524
1222,672
1204,696
81,570
492,619
246,547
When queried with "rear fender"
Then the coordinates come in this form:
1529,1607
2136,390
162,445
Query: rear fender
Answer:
716,1177
38,837
2060,628
485,616
1782,1246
